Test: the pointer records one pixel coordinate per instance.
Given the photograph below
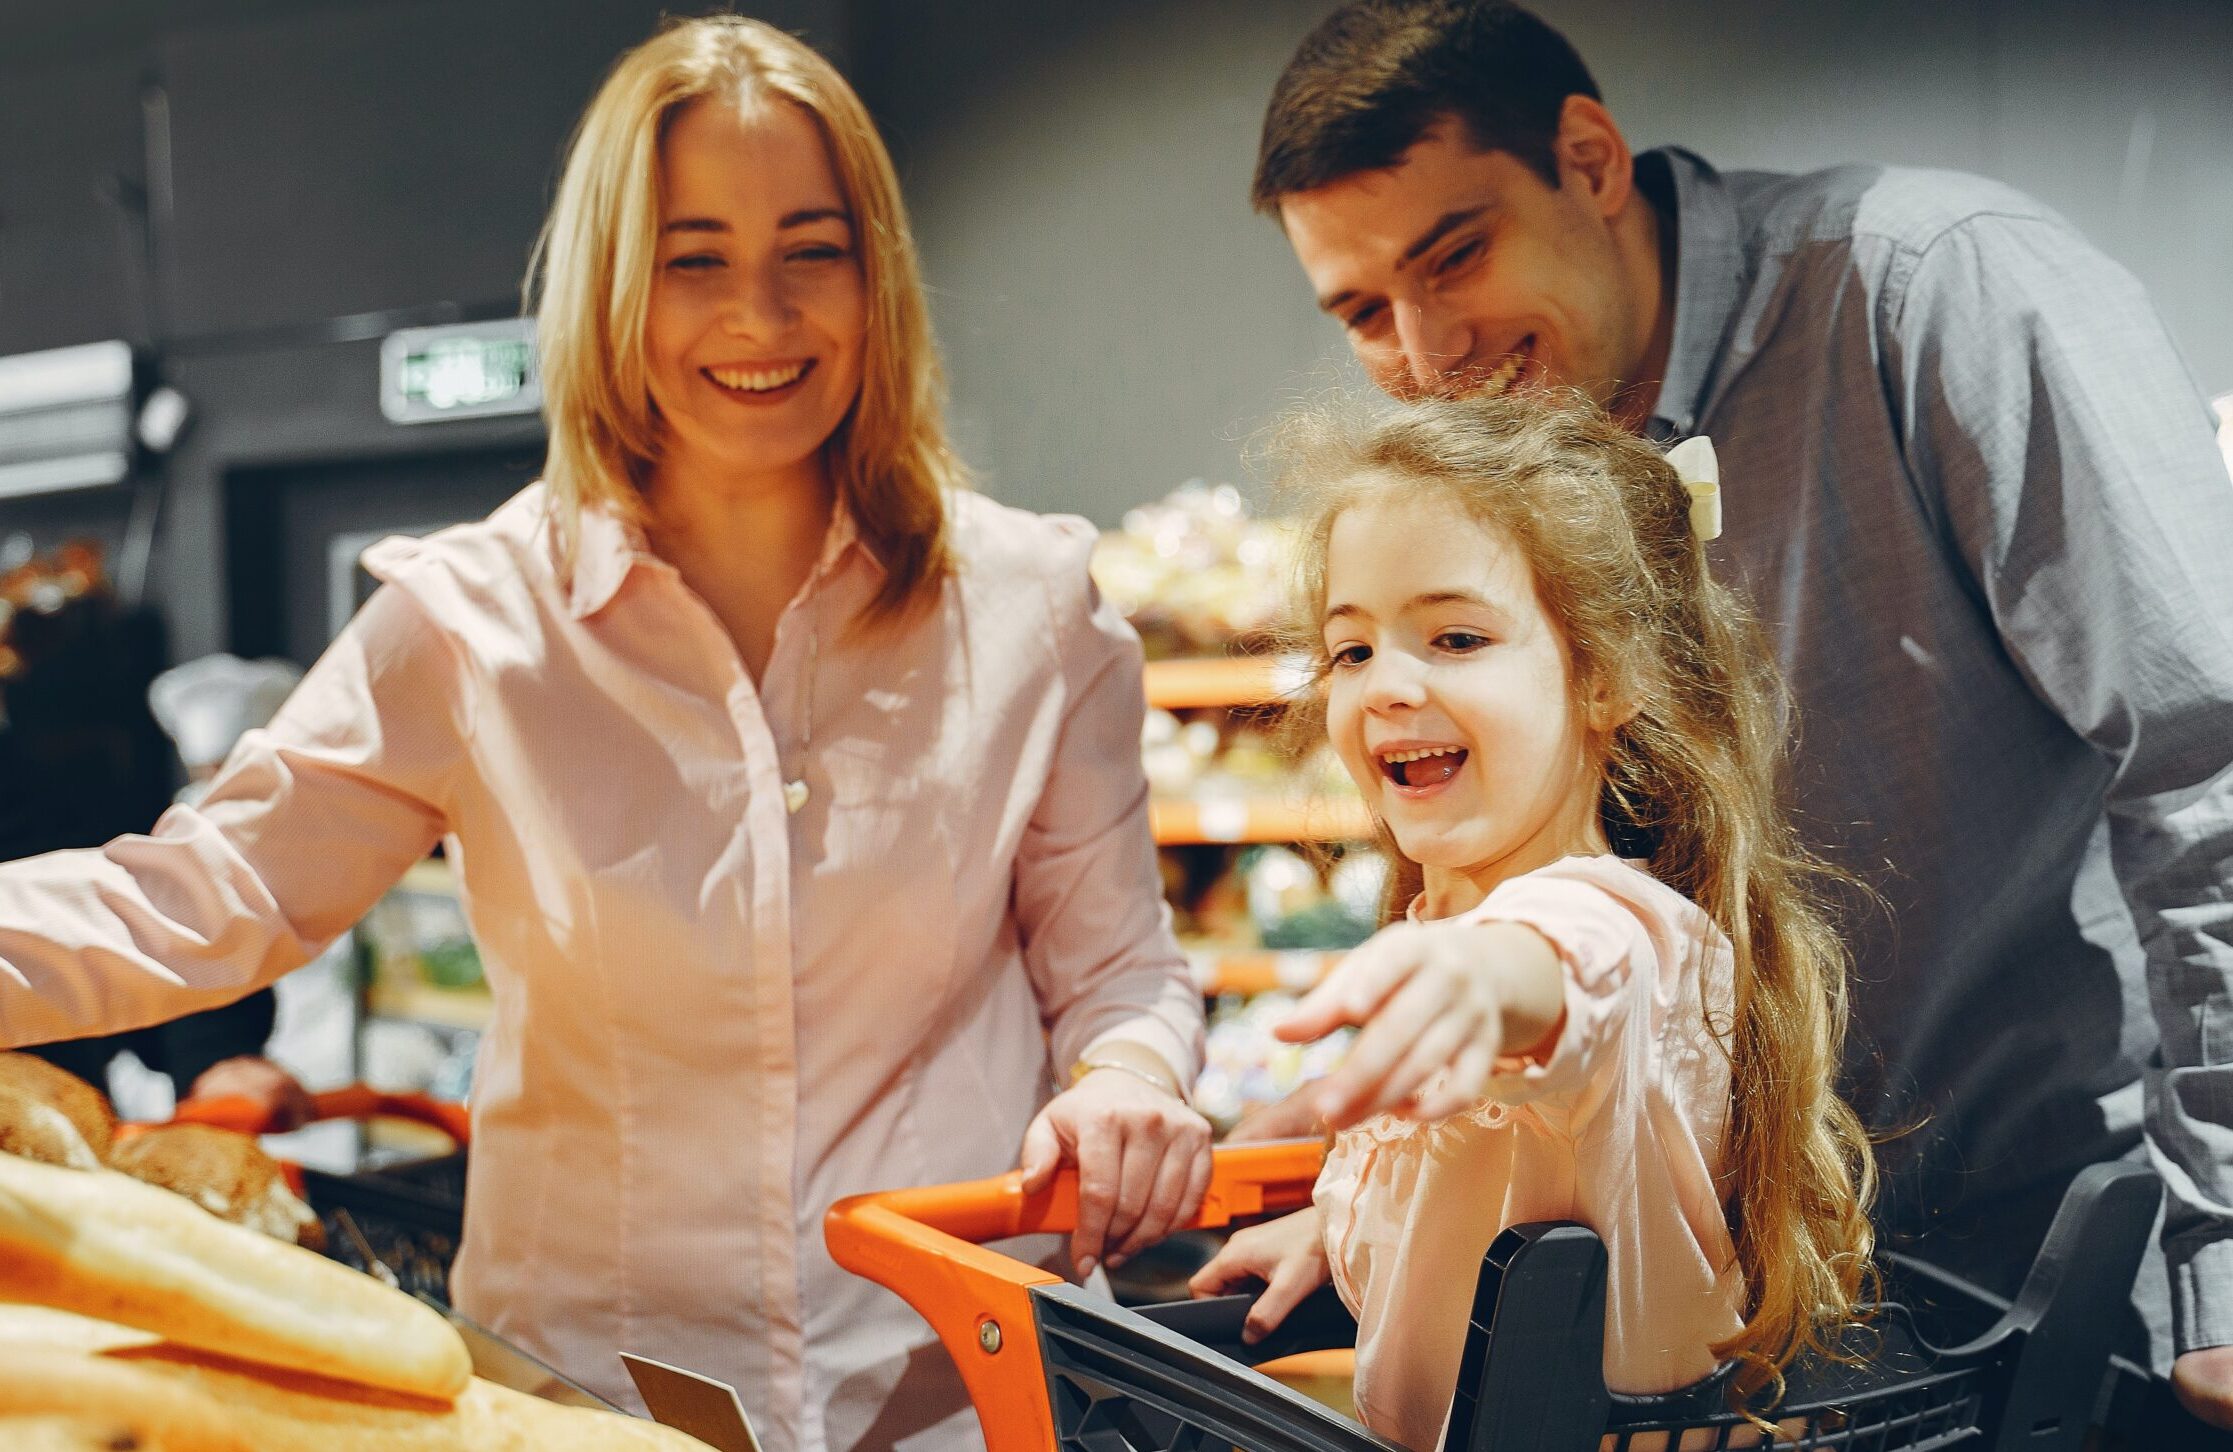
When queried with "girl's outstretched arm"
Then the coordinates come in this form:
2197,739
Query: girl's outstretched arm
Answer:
1448,998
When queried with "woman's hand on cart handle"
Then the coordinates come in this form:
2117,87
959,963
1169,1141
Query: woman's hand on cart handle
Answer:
1288,1255
1143,1158
281,1101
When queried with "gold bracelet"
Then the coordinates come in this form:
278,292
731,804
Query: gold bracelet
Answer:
1083,1067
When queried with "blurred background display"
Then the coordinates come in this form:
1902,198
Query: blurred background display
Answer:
259,290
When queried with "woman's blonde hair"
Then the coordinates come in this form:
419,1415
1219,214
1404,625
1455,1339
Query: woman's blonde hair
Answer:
590,277
1689,784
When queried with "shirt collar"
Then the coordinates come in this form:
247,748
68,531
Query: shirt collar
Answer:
844,534
606,547
610,546
1709,280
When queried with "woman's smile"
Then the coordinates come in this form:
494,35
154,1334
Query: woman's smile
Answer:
761,384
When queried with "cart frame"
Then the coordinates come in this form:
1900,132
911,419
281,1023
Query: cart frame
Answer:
1052,1368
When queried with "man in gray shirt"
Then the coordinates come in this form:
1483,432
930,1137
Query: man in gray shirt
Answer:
1975,498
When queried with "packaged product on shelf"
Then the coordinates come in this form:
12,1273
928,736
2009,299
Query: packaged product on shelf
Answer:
1246,1068
1177,755
1278,883
1293,909
424,997
1194,571
1359,883
416,934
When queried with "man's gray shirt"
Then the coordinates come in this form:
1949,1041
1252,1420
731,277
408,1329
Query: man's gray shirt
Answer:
1974,495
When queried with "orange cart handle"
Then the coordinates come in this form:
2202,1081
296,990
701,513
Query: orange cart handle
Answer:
922,1244
356,1101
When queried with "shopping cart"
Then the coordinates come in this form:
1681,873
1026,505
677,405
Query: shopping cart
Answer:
405,1217
1052,1368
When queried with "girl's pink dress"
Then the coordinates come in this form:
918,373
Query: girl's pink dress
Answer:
1621,1127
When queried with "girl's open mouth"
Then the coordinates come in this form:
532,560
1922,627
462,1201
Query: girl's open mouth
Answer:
1422,768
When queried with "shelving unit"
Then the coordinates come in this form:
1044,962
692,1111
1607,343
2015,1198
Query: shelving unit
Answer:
1214,818
414,927
1243,683
448,1008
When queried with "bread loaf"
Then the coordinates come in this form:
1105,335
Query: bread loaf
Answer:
36,1130
225,1172
107,1246
86,1107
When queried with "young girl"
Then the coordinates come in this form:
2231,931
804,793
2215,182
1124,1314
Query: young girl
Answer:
795,791
1614,999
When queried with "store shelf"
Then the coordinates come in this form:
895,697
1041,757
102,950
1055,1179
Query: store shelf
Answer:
1257,680
1181,821
430,875
455,1008
1262,970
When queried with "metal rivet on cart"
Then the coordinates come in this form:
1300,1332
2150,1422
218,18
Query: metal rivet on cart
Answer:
988,1336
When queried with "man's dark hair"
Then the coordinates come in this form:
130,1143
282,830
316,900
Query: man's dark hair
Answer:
1376,75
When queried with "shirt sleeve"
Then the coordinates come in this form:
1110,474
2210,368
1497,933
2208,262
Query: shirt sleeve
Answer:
1088,898
1606,956
310,820
2051,424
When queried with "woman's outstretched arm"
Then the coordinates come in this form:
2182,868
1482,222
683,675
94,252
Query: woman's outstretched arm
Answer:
310,820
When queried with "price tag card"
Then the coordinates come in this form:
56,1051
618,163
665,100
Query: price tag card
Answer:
704,1408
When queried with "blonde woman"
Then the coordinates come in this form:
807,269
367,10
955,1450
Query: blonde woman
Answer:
794,791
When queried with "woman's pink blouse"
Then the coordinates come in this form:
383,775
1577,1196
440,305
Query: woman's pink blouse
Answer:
713,1017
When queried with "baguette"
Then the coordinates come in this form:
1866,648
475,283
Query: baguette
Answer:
32,1432
56,1393
106,1246
78,1372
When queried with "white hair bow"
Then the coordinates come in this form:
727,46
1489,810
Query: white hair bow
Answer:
1694,463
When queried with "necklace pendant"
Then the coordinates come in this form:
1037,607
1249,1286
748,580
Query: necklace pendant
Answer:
794,795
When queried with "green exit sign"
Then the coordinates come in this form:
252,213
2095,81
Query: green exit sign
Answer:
464,370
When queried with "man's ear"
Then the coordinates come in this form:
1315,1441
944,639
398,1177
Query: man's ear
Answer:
1594,155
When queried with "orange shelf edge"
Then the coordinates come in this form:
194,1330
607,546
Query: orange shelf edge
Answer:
1180,821
1202,682
1265,970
